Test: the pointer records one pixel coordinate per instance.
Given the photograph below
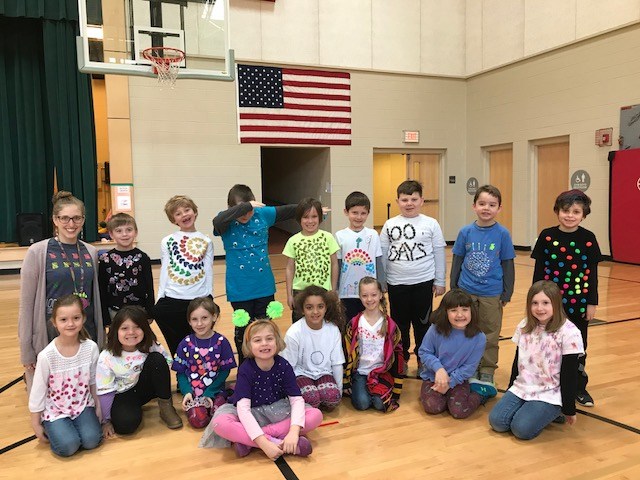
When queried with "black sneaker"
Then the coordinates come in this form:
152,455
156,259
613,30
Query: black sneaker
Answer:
561,419
584,399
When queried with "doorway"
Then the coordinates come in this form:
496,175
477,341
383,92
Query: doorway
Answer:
289,175
392,168
553,179
501,176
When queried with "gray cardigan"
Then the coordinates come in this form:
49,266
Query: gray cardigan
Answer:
32,331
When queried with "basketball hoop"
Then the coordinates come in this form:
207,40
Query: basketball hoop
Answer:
166,63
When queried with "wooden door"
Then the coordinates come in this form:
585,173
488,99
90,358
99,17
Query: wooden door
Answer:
425,168
389,170
501,176
553,179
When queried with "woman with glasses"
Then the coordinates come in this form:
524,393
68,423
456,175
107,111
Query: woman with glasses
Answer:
52,268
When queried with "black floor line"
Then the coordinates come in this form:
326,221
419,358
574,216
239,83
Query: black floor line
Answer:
17,444
285,469
11,384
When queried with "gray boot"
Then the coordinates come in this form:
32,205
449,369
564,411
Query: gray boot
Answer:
168,414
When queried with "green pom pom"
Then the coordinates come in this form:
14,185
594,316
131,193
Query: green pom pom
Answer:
274,310
240,318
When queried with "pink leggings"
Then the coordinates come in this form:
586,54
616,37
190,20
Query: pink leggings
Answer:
228,426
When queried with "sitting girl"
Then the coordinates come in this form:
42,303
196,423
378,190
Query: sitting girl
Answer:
374,353
65,368
132,370
450,353
543,380
314,347
203,361
267,410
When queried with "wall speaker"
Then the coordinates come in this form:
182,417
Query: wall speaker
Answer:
30,228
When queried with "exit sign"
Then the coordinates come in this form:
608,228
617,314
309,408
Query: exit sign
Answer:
411,136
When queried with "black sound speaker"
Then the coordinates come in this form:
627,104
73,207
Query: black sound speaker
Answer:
30,228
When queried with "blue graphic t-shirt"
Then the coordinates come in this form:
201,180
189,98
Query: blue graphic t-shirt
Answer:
249,274
483,249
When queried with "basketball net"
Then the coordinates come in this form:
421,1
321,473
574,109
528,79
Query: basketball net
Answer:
166,63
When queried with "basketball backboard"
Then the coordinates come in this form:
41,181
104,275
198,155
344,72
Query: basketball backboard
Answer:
114,33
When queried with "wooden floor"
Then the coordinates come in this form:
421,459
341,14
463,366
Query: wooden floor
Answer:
405,444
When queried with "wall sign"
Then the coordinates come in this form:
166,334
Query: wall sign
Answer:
580,180
472,185
411,136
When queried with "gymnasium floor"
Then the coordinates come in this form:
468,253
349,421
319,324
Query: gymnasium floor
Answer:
407,443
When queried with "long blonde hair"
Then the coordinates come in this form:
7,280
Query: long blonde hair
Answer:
383,303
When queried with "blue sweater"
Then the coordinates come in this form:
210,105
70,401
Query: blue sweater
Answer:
457,354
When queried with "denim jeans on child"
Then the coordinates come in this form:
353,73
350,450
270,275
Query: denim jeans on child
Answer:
360,396
525,419
66,436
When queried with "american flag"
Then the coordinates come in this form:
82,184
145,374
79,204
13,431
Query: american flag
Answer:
293,106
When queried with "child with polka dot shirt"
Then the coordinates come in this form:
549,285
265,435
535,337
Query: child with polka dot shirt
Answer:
63,401
267,410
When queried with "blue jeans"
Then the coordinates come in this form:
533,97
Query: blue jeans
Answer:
360,396
525,419
66,436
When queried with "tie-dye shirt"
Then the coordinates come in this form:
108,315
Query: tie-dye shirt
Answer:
120,373
540,358
61,385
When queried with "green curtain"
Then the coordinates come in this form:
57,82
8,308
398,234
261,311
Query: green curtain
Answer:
27,172
46,114
69,121
46,9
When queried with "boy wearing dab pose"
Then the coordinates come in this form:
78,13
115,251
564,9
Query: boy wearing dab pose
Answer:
360,254
124,272
483,267
244,229
414,262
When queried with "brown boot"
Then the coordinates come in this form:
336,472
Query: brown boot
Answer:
168,414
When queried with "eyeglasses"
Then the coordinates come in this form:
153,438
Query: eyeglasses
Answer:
64,219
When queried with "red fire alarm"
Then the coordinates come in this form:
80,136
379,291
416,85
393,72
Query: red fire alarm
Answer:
603,137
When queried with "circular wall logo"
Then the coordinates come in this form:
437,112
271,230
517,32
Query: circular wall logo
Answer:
580,180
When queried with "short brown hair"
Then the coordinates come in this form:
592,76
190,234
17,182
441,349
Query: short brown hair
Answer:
307,204
552,291
239,193
409,187
62,199
452,299
357,199
176,202
67,301
120,220
205,302
568,198
140,317
491,190
254,327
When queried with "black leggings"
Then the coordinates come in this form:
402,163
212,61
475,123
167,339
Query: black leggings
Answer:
256,308
171,317
411,305
154,382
